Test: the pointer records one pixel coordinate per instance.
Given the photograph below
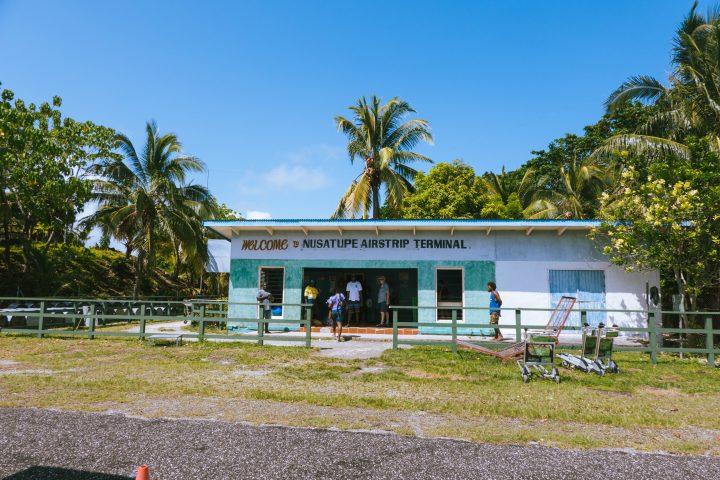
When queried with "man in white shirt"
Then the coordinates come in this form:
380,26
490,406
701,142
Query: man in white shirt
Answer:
354,296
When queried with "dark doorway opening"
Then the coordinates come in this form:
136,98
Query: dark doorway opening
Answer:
403,283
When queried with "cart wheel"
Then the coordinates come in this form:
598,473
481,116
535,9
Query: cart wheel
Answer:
525,377
556,378
601,372
565,364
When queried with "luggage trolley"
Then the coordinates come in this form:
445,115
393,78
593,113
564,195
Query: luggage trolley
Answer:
597,348
539,357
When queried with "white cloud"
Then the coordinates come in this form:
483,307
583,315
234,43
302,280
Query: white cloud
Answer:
316,153
258,215
296,178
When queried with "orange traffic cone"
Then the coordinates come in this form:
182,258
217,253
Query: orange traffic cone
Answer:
142,473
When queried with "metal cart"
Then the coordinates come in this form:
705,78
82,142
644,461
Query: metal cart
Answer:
539,357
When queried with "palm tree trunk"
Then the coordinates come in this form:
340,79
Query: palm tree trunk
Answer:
176,267
138,275
376,200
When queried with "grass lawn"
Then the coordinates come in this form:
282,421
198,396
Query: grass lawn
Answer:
423,391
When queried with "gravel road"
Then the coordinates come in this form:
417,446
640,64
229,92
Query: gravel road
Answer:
46,444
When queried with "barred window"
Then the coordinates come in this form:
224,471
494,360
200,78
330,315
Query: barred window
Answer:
449,292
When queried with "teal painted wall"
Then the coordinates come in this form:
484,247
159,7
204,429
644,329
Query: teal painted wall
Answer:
244,285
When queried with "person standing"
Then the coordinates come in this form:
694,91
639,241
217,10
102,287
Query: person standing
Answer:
335,312
311,293
265,298
383,302
495,304
354,297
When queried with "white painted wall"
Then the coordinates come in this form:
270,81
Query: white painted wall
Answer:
526,284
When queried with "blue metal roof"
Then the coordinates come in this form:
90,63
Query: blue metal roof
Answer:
484,223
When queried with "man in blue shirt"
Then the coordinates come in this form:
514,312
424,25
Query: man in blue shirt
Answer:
495,304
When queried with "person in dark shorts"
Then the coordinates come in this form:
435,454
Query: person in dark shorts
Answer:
335,312
354,298
383,302
495,304
265,298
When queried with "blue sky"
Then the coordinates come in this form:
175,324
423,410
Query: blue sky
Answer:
252,87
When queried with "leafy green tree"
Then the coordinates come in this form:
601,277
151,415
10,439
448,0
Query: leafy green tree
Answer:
668,220
223,212
511,209
146,195
383,138
448,190
44,159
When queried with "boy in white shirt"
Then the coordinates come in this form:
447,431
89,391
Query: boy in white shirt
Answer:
354,296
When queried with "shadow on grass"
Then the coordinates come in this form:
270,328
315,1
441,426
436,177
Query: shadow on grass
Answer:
55,473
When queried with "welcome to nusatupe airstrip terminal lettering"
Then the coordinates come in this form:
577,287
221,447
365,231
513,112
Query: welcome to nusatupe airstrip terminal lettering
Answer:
344,243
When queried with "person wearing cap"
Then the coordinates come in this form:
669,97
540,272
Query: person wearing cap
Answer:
265,298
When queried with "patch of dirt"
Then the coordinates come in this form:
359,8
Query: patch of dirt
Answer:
663,392
373,369
611,393
29,371
11,367
251,373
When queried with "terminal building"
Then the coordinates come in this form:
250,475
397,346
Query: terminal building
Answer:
442,264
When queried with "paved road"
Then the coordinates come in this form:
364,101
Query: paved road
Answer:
43,444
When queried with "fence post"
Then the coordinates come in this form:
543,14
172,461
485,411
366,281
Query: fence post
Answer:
453,331
518,325
261,326
41,319
201,327
653,337
142,320
308,326
583,317
91,327
709,341
395,328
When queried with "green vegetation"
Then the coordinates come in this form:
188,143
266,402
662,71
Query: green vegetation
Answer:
52,167
64,270
425,391
665,210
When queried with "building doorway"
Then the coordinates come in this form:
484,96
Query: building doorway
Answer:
403,283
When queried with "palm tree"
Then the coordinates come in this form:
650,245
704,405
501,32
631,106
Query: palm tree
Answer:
581,183
145,199
504,185
691,104
380,136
